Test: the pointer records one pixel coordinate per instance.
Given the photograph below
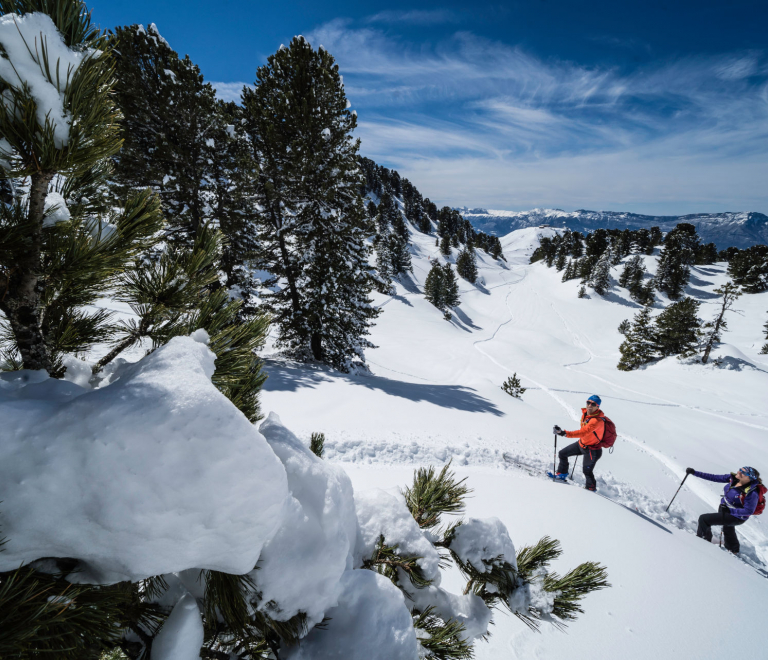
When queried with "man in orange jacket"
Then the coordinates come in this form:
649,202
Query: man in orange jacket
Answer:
589,437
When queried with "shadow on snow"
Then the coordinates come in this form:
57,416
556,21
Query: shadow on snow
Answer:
290,376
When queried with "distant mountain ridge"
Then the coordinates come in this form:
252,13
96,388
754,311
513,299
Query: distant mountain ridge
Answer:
740,230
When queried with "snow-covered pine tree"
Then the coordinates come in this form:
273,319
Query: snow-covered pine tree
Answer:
677,255
582,291
568,272
764,349
713,330
171,124
466,265
61,245
513,387
433,286
560,261
749,268
399,249
600,279
639,346
450,287
312,223
445,246
441,288
233,177
678,328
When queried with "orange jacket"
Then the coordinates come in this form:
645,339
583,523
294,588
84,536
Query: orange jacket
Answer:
591,431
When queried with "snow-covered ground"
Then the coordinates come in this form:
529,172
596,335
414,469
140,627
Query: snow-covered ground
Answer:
435,396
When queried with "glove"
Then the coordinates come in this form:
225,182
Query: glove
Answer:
689,470
557,430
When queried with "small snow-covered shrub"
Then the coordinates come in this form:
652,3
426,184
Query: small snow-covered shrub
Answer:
512,387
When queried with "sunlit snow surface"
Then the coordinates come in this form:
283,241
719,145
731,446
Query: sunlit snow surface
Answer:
434,395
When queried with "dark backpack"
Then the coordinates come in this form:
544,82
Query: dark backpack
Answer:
609,436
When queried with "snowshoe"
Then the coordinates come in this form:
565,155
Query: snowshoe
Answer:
560,476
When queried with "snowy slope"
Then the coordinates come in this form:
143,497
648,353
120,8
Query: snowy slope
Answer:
724,229
435,396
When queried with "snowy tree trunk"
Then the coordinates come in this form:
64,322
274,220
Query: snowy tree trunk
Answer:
21,300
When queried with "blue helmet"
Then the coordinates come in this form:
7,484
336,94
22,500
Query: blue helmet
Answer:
595,398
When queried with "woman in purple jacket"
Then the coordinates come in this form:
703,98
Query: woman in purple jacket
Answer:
740,497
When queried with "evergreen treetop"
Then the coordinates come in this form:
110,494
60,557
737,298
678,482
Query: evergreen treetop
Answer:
312,225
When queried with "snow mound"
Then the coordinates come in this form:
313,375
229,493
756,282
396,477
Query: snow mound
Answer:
156,473
483,543
382,513
300,568
371,623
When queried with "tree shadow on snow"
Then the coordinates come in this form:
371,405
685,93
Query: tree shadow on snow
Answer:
462,316
610,296
287,376
695,281
409,284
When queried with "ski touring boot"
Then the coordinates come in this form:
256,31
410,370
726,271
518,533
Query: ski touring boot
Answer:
560,476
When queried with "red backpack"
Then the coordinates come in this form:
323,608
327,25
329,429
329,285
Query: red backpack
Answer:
761,491
609,437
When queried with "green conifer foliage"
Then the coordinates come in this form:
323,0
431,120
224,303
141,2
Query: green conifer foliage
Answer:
52,267
312,223
445,246
512,387
749,269
639,346
317,444
466,265
764,349
601,275
441,288
678,254
434,495
174,130
678,328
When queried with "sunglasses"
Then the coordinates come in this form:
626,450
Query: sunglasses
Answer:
591,403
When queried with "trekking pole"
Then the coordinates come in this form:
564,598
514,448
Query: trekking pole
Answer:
554,460
574,467
677,491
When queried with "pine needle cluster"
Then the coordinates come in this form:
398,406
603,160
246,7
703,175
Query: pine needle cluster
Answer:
513,387
498,581
317,444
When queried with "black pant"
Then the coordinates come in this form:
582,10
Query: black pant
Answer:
591,456
729,523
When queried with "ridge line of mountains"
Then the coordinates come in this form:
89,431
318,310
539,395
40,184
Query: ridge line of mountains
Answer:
727,229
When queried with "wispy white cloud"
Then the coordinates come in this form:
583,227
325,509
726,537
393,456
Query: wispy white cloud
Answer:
229,91
415,17
476,119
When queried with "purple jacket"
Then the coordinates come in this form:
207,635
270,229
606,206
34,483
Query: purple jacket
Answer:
732,496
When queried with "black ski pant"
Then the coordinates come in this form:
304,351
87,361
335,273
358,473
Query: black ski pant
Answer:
591,456
729,523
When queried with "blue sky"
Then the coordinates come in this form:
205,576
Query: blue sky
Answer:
652,107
